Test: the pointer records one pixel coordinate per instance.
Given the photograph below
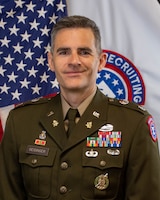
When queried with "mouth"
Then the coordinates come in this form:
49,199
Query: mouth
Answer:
74,73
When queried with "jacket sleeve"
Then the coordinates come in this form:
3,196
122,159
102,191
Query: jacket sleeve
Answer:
11,182
143,169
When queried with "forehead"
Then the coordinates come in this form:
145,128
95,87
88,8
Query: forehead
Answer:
67,35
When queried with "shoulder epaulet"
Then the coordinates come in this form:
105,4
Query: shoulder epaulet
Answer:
33,102
128,104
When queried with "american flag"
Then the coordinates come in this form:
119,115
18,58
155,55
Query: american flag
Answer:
25,28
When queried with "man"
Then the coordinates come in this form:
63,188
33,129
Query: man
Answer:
111,152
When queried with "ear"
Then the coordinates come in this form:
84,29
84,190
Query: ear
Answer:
102,61
50,61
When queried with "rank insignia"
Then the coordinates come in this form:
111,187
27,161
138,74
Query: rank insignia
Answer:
89,124
101,182
55,123
40,142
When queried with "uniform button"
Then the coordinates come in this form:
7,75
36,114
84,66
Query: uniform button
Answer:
34,161
102,163
63,189
64,165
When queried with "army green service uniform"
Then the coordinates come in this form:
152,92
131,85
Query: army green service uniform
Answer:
112,153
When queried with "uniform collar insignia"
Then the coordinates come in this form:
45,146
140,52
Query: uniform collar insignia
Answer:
55,123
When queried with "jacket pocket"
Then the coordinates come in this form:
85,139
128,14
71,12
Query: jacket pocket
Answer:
37,169
102,170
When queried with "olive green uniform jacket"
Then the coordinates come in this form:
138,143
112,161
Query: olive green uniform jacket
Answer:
38,162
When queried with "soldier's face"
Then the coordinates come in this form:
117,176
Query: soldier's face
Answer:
75,59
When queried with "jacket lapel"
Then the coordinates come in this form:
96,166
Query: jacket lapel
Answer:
53,122
93,118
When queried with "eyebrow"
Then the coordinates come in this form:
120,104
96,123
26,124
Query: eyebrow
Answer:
79,49
63,49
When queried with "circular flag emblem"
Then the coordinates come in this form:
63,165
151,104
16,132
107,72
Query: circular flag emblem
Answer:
121,79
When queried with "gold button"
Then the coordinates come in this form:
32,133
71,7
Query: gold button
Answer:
64,165
102,163
63,189
34,161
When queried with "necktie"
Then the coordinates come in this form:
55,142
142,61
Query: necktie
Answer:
71,116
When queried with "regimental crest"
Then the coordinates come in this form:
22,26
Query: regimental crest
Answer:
121,79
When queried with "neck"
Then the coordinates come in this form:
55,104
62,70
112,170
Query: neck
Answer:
75,98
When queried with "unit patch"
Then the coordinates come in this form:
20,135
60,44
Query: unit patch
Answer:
152,128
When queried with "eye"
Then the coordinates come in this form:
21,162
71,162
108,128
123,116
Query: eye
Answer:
85,52
64,51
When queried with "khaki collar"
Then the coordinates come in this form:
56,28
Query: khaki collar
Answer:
81,108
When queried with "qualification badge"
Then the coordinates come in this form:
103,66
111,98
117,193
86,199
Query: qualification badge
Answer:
101,182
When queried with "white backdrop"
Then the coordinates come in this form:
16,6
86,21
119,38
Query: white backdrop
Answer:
132,29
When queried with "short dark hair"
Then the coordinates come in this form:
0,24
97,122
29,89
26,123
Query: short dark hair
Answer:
77,21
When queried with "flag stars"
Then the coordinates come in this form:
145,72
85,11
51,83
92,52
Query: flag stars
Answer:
50,2
8,59
12,77
21,66
36,89
4,88
32,72
55,83
19,3
21,18
47,48
45,31
37,43
14,30
1,7
30,7
2,71
60,6
28,54
10,13
5,42
44,77
24,83
17,48
16,95
25,36
53,19
41,60
24,43
34,25
2,24
41,12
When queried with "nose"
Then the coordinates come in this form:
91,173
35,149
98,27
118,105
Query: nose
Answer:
75,59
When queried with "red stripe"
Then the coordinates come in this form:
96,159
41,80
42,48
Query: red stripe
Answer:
1,130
